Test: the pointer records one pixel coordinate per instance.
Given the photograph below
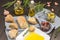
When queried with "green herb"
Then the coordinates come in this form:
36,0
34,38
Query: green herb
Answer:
39,7
9,4
26,2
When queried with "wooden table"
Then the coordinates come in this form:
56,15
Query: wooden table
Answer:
2,25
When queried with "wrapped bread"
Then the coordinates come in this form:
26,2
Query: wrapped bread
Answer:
13,33
32,20
9,18
22,22
13,26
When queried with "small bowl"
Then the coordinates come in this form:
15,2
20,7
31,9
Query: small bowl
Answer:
45,26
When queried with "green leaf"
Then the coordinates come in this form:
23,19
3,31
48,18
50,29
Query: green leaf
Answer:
39,7
10,4
7,5
25,2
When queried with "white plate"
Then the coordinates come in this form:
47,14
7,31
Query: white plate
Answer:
21,37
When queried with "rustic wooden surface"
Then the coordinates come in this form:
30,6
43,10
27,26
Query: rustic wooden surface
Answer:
2,26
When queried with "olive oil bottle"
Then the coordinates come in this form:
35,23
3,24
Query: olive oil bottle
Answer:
18,8
31,8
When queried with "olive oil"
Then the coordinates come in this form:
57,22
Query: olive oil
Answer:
31,9
19,11
18,8
51,17
34,36
31,12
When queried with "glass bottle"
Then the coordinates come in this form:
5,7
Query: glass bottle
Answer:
18,8
31,8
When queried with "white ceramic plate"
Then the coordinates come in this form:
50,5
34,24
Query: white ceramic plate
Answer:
21,37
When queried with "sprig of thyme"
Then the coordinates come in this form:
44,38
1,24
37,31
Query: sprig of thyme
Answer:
26,2
9,4
39,6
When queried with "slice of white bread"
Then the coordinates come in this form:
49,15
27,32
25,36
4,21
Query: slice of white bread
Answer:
13,26
22,22
32,20
9,18
13,33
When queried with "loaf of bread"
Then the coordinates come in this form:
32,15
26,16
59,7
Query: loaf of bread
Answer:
13,26
32,20
13,33
22,22
9,18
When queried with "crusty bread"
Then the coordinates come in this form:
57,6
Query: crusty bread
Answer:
22,22
9,18
32,20
13,33
13,26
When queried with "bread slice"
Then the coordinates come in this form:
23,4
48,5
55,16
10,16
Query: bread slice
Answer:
13,26
22,22
9,18
13,33
32,20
